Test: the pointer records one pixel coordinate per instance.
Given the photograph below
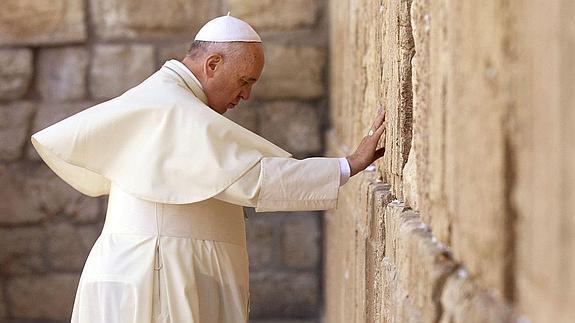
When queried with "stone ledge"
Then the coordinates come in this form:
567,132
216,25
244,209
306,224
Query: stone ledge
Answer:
420,264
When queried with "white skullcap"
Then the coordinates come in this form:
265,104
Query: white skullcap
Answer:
227,29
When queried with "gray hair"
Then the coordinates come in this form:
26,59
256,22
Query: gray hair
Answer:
226,49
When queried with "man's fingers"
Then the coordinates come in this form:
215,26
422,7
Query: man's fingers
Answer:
380,130
379,119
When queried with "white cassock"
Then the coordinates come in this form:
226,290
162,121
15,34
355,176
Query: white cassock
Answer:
173,246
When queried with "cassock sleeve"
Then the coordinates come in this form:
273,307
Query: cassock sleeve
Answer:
287,184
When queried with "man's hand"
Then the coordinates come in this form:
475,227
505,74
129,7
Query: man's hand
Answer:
366,153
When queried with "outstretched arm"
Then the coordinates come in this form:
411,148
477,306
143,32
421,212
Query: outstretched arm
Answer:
288,184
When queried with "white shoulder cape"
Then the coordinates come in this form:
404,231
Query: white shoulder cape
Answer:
158,141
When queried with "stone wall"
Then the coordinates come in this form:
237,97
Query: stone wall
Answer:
469,216
58,57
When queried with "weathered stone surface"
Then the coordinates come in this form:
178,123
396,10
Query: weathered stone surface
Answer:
49,296
62,73
56,198
276,14
477,110
284,295
291,72
245,115
260,237
14,126
65,250
16,73
282,321
463,302
375,249
49,113
409,174
418,254
42,22
116,68
431,68
300,240
155,18
542,151
33,193
16,207
293,126
22,251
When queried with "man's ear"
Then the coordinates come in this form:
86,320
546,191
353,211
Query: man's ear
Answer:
212,64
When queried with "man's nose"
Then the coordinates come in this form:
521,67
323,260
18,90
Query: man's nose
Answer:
245,94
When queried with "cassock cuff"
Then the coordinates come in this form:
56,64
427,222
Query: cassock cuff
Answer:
345,170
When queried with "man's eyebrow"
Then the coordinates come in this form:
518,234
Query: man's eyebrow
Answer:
251,79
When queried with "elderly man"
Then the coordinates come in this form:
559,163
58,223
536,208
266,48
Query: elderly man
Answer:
177,172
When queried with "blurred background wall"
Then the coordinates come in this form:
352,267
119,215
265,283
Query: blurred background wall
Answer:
58,57
470,216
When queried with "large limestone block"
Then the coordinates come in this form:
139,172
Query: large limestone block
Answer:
16,73
397,44
432,66
544,155
152,18
48,296
380,197
260,238
33,193
14,126
300,245
65,249
56,198
478,172
291,125
22,250
423,263
463,302
117,68
391,295
37,22
16,206
284,294
291,72
62,73
276,14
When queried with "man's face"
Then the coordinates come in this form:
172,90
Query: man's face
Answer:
231,78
